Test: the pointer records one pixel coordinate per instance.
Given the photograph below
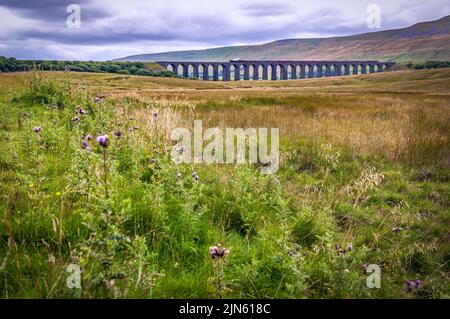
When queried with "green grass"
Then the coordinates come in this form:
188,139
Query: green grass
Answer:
145,230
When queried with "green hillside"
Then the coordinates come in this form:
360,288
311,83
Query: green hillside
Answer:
420,42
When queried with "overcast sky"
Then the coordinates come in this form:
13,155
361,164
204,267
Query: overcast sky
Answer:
37,29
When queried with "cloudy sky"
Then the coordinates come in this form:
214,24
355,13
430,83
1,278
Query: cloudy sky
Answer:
37,29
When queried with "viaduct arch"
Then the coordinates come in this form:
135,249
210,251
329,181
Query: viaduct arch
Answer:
272,70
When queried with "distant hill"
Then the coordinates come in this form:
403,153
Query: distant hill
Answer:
421,42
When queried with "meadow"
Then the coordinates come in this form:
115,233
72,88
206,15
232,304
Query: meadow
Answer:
363,179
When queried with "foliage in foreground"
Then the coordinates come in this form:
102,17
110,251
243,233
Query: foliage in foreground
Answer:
139,225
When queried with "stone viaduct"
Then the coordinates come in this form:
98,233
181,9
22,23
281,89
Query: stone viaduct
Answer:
271,70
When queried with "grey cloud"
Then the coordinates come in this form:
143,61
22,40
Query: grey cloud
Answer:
54,11
266,9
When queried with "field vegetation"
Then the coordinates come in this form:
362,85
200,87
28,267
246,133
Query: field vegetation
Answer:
364,179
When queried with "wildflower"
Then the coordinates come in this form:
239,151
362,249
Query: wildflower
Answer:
58,194
75,119
218,251
103,140
364,268
118,134
98,98
180,149
340,250
155,115
411,285
81,111
86,146
298,247
89,137
350,247
152,161
37,129
396,230
195,176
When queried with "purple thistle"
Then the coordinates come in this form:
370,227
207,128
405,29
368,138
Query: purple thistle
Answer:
364,268
103,140
37,129
155,115
218,251
75,119
86,146
81,111
89,137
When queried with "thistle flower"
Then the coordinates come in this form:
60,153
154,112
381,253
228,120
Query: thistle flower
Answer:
81,111
37,129
86,146
103,140
75,119
155,115
364,268
411,285
89,137
195,176
118,134
180,149
339,249
350,247
98,98
218,251
396,230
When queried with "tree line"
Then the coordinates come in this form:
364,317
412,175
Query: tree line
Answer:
429,65
133,68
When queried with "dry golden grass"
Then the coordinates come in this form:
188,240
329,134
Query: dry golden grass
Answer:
402,115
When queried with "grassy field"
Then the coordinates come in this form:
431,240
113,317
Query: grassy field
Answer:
364,179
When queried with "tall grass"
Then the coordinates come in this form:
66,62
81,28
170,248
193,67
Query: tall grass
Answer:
352,179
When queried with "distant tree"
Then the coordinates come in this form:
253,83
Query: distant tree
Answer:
144,72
